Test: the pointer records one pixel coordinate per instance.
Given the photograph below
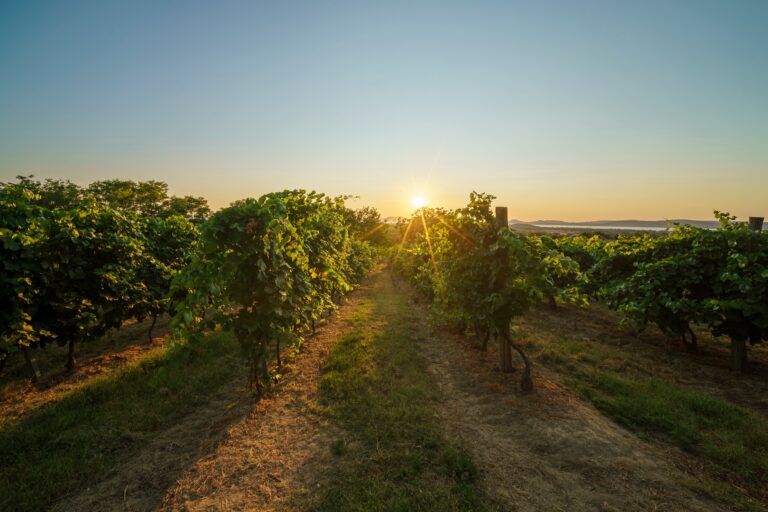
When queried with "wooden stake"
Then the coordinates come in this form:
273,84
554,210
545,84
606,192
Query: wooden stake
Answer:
502,220
151,327
3,360
739,355
505,354
32,365
71,362
756,223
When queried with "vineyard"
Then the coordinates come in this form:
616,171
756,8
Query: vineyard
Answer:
243,295
479,277
78,263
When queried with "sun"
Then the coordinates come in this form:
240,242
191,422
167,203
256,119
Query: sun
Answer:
418,201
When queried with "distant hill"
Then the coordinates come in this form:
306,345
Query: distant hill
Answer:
629,223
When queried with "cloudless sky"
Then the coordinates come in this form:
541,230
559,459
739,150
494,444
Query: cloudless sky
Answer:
574,110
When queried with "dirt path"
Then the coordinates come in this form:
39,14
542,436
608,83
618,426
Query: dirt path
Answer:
267,457
140,483
549,450
228,454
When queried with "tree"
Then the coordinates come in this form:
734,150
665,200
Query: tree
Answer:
143,197
194,209
365,224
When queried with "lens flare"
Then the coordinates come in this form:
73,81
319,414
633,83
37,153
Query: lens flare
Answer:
418,201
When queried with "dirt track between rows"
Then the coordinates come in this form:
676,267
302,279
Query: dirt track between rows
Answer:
549,450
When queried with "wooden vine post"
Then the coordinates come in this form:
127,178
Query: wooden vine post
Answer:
34,370
505,353
756,223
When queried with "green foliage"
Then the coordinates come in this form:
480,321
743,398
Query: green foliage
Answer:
22,229
266,268
169,243
50,194
143,198
89,259
717,278
74,267
478,274
362,257
77,262
194,209
149,198
365,224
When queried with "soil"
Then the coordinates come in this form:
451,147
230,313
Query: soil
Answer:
271,455
141,483
19,395
546,450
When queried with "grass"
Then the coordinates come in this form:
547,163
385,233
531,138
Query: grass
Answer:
390,453
70,443
726,436
51,359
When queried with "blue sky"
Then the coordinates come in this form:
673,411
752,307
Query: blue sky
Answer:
562,109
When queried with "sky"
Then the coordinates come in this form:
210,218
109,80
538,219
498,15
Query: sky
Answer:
573,110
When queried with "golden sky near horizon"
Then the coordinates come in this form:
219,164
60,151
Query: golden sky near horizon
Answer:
564,110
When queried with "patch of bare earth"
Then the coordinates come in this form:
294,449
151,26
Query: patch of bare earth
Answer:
269,456
141,483
19,395
549,450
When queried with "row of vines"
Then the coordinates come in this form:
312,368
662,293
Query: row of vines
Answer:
268,269
690,278
78,262
478,276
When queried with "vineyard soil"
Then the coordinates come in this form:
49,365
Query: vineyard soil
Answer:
681,401
548,450
263,458
708,370
20,396
338,433
88,433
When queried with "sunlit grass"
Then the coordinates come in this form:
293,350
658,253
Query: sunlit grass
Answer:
390,453
728,437
70,443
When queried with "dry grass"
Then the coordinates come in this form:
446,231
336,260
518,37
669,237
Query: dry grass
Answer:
68,446
675,399
20,396
265,458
